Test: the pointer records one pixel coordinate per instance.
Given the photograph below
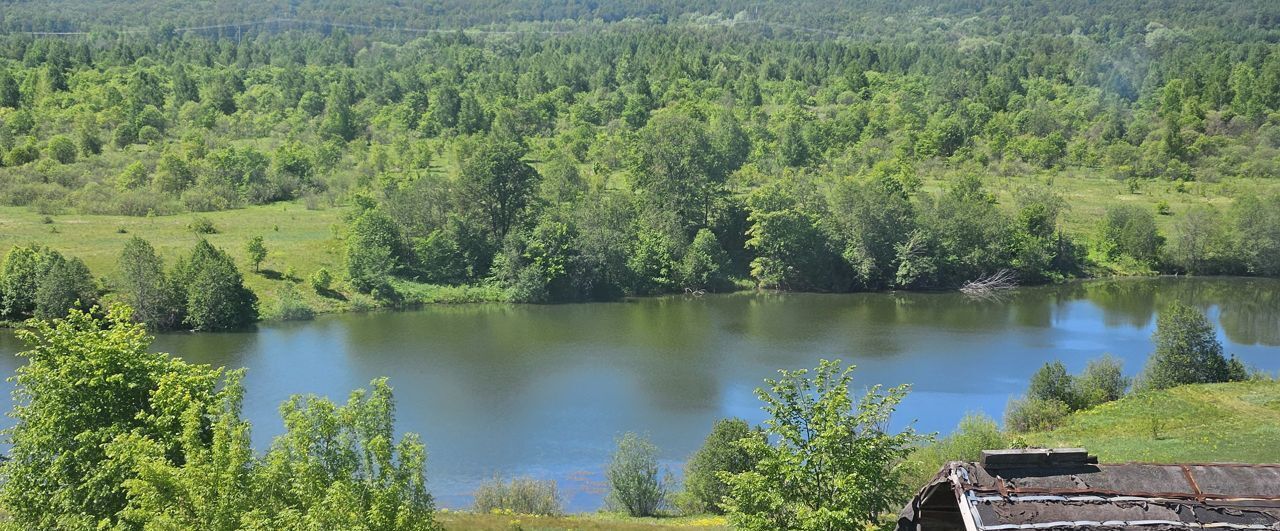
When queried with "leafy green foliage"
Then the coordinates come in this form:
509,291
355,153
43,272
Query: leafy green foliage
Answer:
341,467
373,247
256,249
290,306
649,128
1102,381
635,481
519,496
1053,393
1129,232
975,433
498,184
19,280
62,149
1052,382
791,244
321,280
1035,414
828,462
705,264
164,446
216,296
141,278
704,486
64,284
59,474
1187,351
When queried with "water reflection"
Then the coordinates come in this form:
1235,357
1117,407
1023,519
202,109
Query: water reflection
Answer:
543,390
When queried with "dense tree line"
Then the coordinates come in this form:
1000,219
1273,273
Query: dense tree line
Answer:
678,149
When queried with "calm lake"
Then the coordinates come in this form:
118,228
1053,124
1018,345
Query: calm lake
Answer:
543,390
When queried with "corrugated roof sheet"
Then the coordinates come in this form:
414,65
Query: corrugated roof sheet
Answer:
1011,493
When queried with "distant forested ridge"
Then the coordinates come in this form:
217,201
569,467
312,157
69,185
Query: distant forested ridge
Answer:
587,151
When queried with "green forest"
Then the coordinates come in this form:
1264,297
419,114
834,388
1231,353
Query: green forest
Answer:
171,165
591,152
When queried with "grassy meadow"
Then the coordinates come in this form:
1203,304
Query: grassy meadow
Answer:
299,241
1227,422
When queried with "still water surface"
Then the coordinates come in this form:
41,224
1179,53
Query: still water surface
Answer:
543,390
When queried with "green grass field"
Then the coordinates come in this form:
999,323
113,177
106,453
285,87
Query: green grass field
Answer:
1230,422
297,239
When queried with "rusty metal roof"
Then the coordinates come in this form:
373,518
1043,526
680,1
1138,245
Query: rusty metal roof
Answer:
1067,489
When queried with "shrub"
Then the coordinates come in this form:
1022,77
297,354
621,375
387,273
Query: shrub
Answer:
64,284
1052,382
635,483
1102,381
720,453
216,296
820,438
62,149
19,279
704,263
975,433
321,280
520,496
291,306
373,252
202,225
142,282
1128,230
1187,351
133,176
1034,414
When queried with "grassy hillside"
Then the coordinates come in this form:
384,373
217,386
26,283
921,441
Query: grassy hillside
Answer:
299,242
1232,422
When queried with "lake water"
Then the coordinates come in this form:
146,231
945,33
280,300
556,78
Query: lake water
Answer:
543,391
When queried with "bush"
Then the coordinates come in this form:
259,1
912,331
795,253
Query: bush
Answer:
828,462
635,483
1187,351
373,253
291,306
19,276
704,264
1052,382
520,496
1129,231
202,225
62,149
216,296
975,433
1102,381
720,453
1034,414
321,280
133,176
64,284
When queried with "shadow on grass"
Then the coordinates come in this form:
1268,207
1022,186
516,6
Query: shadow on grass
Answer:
331,294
